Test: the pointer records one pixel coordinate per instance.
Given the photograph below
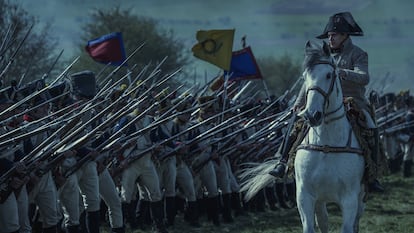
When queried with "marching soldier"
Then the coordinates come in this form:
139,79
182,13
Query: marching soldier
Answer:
143,171
43,192
9,215
85,180
19,182
166,166
185,181
203,166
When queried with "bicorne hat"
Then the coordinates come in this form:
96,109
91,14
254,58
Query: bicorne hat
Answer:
343,23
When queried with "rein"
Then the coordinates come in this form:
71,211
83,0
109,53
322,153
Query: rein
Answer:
327,148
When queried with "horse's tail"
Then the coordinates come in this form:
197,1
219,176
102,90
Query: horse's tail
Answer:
255,176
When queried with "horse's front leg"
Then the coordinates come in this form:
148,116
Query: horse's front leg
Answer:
322,216
306,208
350,218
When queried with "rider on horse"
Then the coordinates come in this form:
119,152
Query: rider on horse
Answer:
352,64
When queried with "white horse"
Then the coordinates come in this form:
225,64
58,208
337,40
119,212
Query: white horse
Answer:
328,166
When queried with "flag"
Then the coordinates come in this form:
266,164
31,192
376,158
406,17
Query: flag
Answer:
107,49
215,46
243,66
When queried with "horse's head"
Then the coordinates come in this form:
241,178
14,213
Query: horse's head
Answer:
322,87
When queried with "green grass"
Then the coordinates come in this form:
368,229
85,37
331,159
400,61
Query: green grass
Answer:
389,212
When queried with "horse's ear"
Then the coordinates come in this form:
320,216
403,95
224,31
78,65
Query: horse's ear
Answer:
326,48
308,46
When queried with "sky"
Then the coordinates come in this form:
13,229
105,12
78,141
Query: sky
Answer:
272,27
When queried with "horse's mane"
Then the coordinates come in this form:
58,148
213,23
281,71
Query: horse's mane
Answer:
313,56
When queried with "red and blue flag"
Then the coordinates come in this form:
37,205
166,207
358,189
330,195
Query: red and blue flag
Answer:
243,66
107,49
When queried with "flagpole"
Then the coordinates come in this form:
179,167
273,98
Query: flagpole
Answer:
226,79
266,89
129,76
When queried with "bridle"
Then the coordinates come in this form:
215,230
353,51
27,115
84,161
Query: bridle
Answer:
326,94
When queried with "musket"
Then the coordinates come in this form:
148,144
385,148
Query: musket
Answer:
287,92
268,145
210,132
383,121
38,92
197,167
113,72
11,59
111,119
24,136
135,157
28,67
399,127
115,137
110,142
144,95
276,124
46,75
203,136
54,152
43,151
140,132
109,85
382,108
241,91
60,132
32,108
25,127
5,44
98,75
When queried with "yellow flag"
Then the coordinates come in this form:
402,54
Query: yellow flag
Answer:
215,46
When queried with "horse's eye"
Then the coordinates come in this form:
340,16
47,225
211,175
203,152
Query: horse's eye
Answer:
328,76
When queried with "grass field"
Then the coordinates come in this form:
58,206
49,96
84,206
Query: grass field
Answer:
388,212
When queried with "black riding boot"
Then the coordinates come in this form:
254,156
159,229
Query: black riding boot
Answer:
227,218
180,204
118,230
158,217
52,229
72,229
202,206
236,204
291,193
279,187
283,155
192,214
82,221
373,143
407,168
212,207
170,210
129,215
93,221
143,216
271,197
261,201
37,227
